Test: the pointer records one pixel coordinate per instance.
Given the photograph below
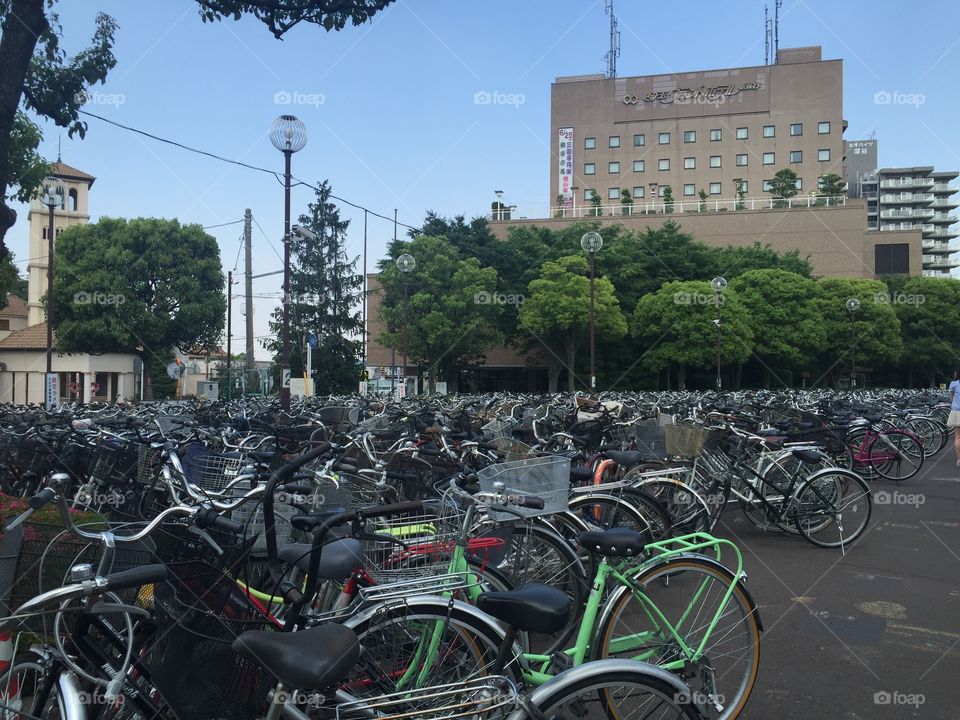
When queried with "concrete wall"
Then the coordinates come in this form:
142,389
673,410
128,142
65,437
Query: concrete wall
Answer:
23,379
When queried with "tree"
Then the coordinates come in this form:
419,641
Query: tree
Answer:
10,280
35,72
626,201
784,316
676,326
452,312
784,184
556,313
326,293
702,205
832,185
595,204
143,285
929,312
668,199
877,327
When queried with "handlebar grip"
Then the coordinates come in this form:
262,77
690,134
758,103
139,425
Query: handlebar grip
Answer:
530,501
208,518
397,475
411,506
135,577
344,467
297,488
42,498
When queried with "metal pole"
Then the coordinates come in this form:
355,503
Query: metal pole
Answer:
248,253
404,374
364,289
49,295
853,352
716,297
229,328
593,367
285,366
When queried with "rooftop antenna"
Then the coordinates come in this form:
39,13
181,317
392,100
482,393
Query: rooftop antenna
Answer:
614,52
58,148
776,29
766,35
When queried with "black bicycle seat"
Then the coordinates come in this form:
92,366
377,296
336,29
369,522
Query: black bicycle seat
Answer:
615,542
316,658
532,607
626,458
337,559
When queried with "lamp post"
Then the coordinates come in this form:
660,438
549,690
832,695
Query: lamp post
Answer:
591,242
653,194
288,135
574,190
852,306
499,194
718,284
406,264
53,192
738,190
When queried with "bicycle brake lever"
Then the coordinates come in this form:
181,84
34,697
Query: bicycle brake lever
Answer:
205,536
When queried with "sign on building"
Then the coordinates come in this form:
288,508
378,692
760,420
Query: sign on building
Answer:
52,394
565,155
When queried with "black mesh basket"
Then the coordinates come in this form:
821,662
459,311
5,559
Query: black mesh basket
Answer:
199,612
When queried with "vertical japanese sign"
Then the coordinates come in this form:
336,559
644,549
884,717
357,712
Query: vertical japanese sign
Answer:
52,395
565,158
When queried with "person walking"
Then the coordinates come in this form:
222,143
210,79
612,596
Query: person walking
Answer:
953,421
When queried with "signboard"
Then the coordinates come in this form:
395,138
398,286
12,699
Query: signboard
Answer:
52,394
692,95
286,378
565,158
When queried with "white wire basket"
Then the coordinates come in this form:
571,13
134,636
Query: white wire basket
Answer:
213,471
414,546
485,698
498,429
545,477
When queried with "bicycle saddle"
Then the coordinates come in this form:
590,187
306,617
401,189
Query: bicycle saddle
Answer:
337,559
626,458
807,456
532,607
615,542
313,659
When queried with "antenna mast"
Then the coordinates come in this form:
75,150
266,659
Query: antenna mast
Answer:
766,35
614,52
776,29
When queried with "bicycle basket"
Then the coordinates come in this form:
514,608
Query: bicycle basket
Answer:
685,440
651,441
545,477
481,698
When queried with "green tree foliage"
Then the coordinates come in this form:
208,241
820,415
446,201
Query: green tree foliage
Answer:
787,330
281,16
326,295
832,185
733,261
929,313
878,340
557,314
143,285
676,327
784,184
452,308
10,280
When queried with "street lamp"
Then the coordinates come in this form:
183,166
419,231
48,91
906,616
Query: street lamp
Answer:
653,194
591,242
499,194
52,196
406,264
288,135
718,284
852,306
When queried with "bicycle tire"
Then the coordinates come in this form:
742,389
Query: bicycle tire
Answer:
14,679
662,583
909,454
824,496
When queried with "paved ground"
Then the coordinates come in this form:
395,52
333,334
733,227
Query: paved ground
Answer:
870,635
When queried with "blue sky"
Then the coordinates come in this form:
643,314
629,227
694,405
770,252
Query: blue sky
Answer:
390,111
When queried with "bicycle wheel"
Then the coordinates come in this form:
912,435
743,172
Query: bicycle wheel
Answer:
620,694
763,518
896,455
856,440
418,643
932,435
28,689
680,599
832,508
688,511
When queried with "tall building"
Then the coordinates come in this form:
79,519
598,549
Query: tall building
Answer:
860,170
708,131
918,198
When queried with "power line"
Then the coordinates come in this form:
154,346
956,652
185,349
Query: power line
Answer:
272,247
238,162
210,227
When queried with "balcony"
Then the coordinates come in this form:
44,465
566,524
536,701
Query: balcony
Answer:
936,262
918,182
944,204
935,247
943,234
910,214
945,188
942,217
906,198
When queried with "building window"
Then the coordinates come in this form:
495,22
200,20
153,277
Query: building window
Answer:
639,140
613,193
638,191
742,134
44,231
891,259
639,165
613,168
714,188
689,136
588,194
796,156
767,185
589,169
769,158
716,135
613,141
662,190
589,143
664,138
742,160
744,187
769,131
823,155
798,184
663,165
4,323
690,190
714,161
72,200
823,128
796,129
689,163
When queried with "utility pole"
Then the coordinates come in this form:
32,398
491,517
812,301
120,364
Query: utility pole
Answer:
248,245
229,330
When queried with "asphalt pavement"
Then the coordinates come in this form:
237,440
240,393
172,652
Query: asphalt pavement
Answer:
870,634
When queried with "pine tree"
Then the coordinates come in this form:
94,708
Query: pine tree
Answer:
326,295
